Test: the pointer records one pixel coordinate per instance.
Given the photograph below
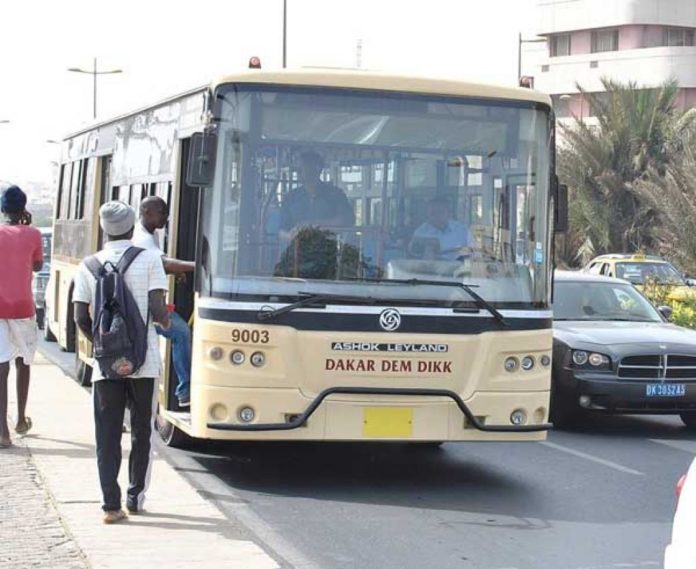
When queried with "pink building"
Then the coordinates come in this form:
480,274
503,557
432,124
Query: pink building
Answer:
645,41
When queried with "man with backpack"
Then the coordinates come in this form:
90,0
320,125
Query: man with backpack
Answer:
119,297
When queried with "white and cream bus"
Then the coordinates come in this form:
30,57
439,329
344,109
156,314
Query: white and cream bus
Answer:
385,324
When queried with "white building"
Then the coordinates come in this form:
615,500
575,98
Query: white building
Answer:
644,41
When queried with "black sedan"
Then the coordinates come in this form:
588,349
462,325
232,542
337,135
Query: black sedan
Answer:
614,352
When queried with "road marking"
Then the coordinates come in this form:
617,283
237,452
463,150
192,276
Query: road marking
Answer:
592,458
686,446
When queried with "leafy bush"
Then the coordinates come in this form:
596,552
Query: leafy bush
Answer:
683,307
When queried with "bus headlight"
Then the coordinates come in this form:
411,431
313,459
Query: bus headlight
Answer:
527,363
257,359
545,360
237,357
511,364
246,414
518,417
216,353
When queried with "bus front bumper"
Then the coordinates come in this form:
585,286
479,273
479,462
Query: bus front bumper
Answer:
359,413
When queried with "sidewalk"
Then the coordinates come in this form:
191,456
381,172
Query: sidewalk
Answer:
50,514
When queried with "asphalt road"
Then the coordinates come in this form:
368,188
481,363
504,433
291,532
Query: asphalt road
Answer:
598,499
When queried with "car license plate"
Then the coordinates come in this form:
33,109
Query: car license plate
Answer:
665,390
394,422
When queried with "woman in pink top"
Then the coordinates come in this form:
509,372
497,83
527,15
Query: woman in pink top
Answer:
21,250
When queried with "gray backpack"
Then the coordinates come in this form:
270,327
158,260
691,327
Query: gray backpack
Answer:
119,333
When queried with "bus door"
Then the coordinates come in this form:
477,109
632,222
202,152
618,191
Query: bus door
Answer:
185,247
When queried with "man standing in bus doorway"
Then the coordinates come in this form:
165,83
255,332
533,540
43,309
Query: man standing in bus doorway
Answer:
147,284
154,215
22,253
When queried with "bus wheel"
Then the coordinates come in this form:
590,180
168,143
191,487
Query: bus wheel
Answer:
83,373
47,334
170,434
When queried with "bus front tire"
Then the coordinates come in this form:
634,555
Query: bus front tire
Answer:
47,334
170,434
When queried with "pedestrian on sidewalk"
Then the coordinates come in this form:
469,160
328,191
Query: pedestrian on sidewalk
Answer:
145,279
22,253
154,214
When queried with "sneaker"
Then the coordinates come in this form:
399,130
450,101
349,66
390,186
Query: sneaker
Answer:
185,401
134,510
114,516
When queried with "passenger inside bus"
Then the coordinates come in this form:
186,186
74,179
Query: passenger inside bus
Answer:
440,236
315,203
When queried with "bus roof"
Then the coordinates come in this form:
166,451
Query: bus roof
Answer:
369,80
348,79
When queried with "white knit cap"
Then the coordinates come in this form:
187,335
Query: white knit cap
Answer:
116,218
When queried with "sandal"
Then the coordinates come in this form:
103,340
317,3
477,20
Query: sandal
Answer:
24,427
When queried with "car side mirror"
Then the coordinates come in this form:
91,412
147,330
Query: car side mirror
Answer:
560,214
201,160
666,311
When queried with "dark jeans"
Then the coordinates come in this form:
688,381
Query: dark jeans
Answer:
180,336
111,397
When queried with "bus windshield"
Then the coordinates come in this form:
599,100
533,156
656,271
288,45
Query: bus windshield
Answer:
340,191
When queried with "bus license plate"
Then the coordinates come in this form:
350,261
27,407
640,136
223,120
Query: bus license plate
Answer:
385,422
665,390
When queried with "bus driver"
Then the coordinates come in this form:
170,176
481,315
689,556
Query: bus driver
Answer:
316,203
441,237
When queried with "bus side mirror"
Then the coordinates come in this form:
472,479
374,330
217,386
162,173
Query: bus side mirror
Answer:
560,217
201,160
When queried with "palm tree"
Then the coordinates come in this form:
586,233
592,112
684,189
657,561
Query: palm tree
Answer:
635,132
673,194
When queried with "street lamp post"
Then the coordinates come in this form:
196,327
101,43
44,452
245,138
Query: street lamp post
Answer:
520,41
285,33
94,74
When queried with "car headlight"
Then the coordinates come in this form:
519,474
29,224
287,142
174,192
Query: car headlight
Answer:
591,360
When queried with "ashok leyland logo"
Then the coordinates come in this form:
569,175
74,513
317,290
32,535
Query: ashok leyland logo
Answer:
390,319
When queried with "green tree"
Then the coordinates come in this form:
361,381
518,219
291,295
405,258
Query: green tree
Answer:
634,132
673,194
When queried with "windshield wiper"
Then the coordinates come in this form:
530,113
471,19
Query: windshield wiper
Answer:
478,300
309,299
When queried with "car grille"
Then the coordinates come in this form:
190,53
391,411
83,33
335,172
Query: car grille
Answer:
662,367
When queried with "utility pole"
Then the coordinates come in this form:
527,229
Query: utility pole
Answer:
285,33
358,54
520,41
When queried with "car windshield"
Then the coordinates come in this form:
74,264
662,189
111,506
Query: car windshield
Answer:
335,191
586,300
638,273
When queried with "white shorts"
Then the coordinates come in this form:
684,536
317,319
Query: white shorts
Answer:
18,339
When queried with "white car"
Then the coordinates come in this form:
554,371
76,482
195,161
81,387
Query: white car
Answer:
681,553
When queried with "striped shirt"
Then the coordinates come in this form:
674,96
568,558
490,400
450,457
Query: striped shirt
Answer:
145,274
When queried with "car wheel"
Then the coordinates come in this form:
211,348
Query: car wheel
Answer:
689,420
83,372
564,412
47,334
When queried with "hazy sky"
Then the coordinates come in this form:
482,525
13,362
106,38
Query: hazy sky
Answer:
167,46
